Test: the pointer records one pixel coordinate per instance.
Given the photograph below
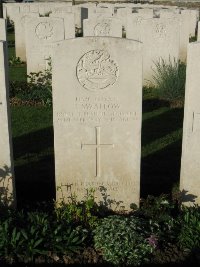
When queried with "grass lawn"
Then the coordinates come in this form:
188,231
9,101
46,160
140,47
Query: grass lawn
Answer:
32,130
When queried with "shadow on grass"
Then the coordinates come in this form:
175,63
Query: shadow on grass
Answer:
35,178
160,171
33,142
151,104
35,182
161,125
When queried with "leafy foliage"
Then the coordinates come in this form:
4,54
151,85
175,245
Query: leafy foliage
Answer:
189,236
13,61
169,80
78,211
123,240
25,236
38,88
162,213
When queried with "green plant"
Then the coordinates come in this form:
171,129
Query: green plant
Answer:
193,39
81,212
162,213
65,239
159,208
169,80
37,89
189,236
40,85
124,240
13,61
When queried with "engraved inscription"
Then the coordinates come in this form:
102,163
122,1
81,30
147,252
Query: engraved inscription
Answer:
98,147
97,185
91,109
44,30
96,70
102,29
160,31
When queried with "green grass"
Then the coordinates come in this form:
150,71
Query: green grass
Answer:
16,73
34,158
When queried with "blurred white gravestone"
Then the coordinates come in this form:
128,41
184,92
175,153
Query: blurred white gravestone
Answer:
102,27
198,32
3,36
192,19
42,35
190,162
160,38
122,14
7,183
69,23
97,108
20,23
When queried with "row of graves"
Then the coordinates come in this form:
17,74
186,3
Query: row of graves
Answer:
39,29
97,90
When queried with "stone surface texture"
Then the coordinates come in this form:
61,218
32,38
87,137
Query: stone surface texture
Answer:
7,183
42,35
97,109
190,167
3,36
102,27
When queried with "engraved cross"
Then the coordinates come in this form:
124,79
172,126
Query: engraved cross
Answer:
98,147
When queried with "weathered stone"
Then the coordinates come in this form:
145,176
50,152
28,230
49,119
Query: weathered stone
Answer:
42,33
190,167
69,23
97,109
160,38
20,23
3,30
102,27
7,183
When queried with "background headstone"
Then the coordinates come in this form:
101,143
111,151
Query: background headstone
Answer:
69,23
102,27
190,167
19,24
160,38
122,14
7,183
3,36
42,33
193,17
97,108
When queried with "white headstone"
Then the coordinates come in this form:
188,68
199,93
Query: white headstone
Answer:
97,109
122,14
190,167
146,12
19,24
42,35
198,33
160,38
100,13
80,13
7,183
102,27
184,32
3,30
69,23
193,17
